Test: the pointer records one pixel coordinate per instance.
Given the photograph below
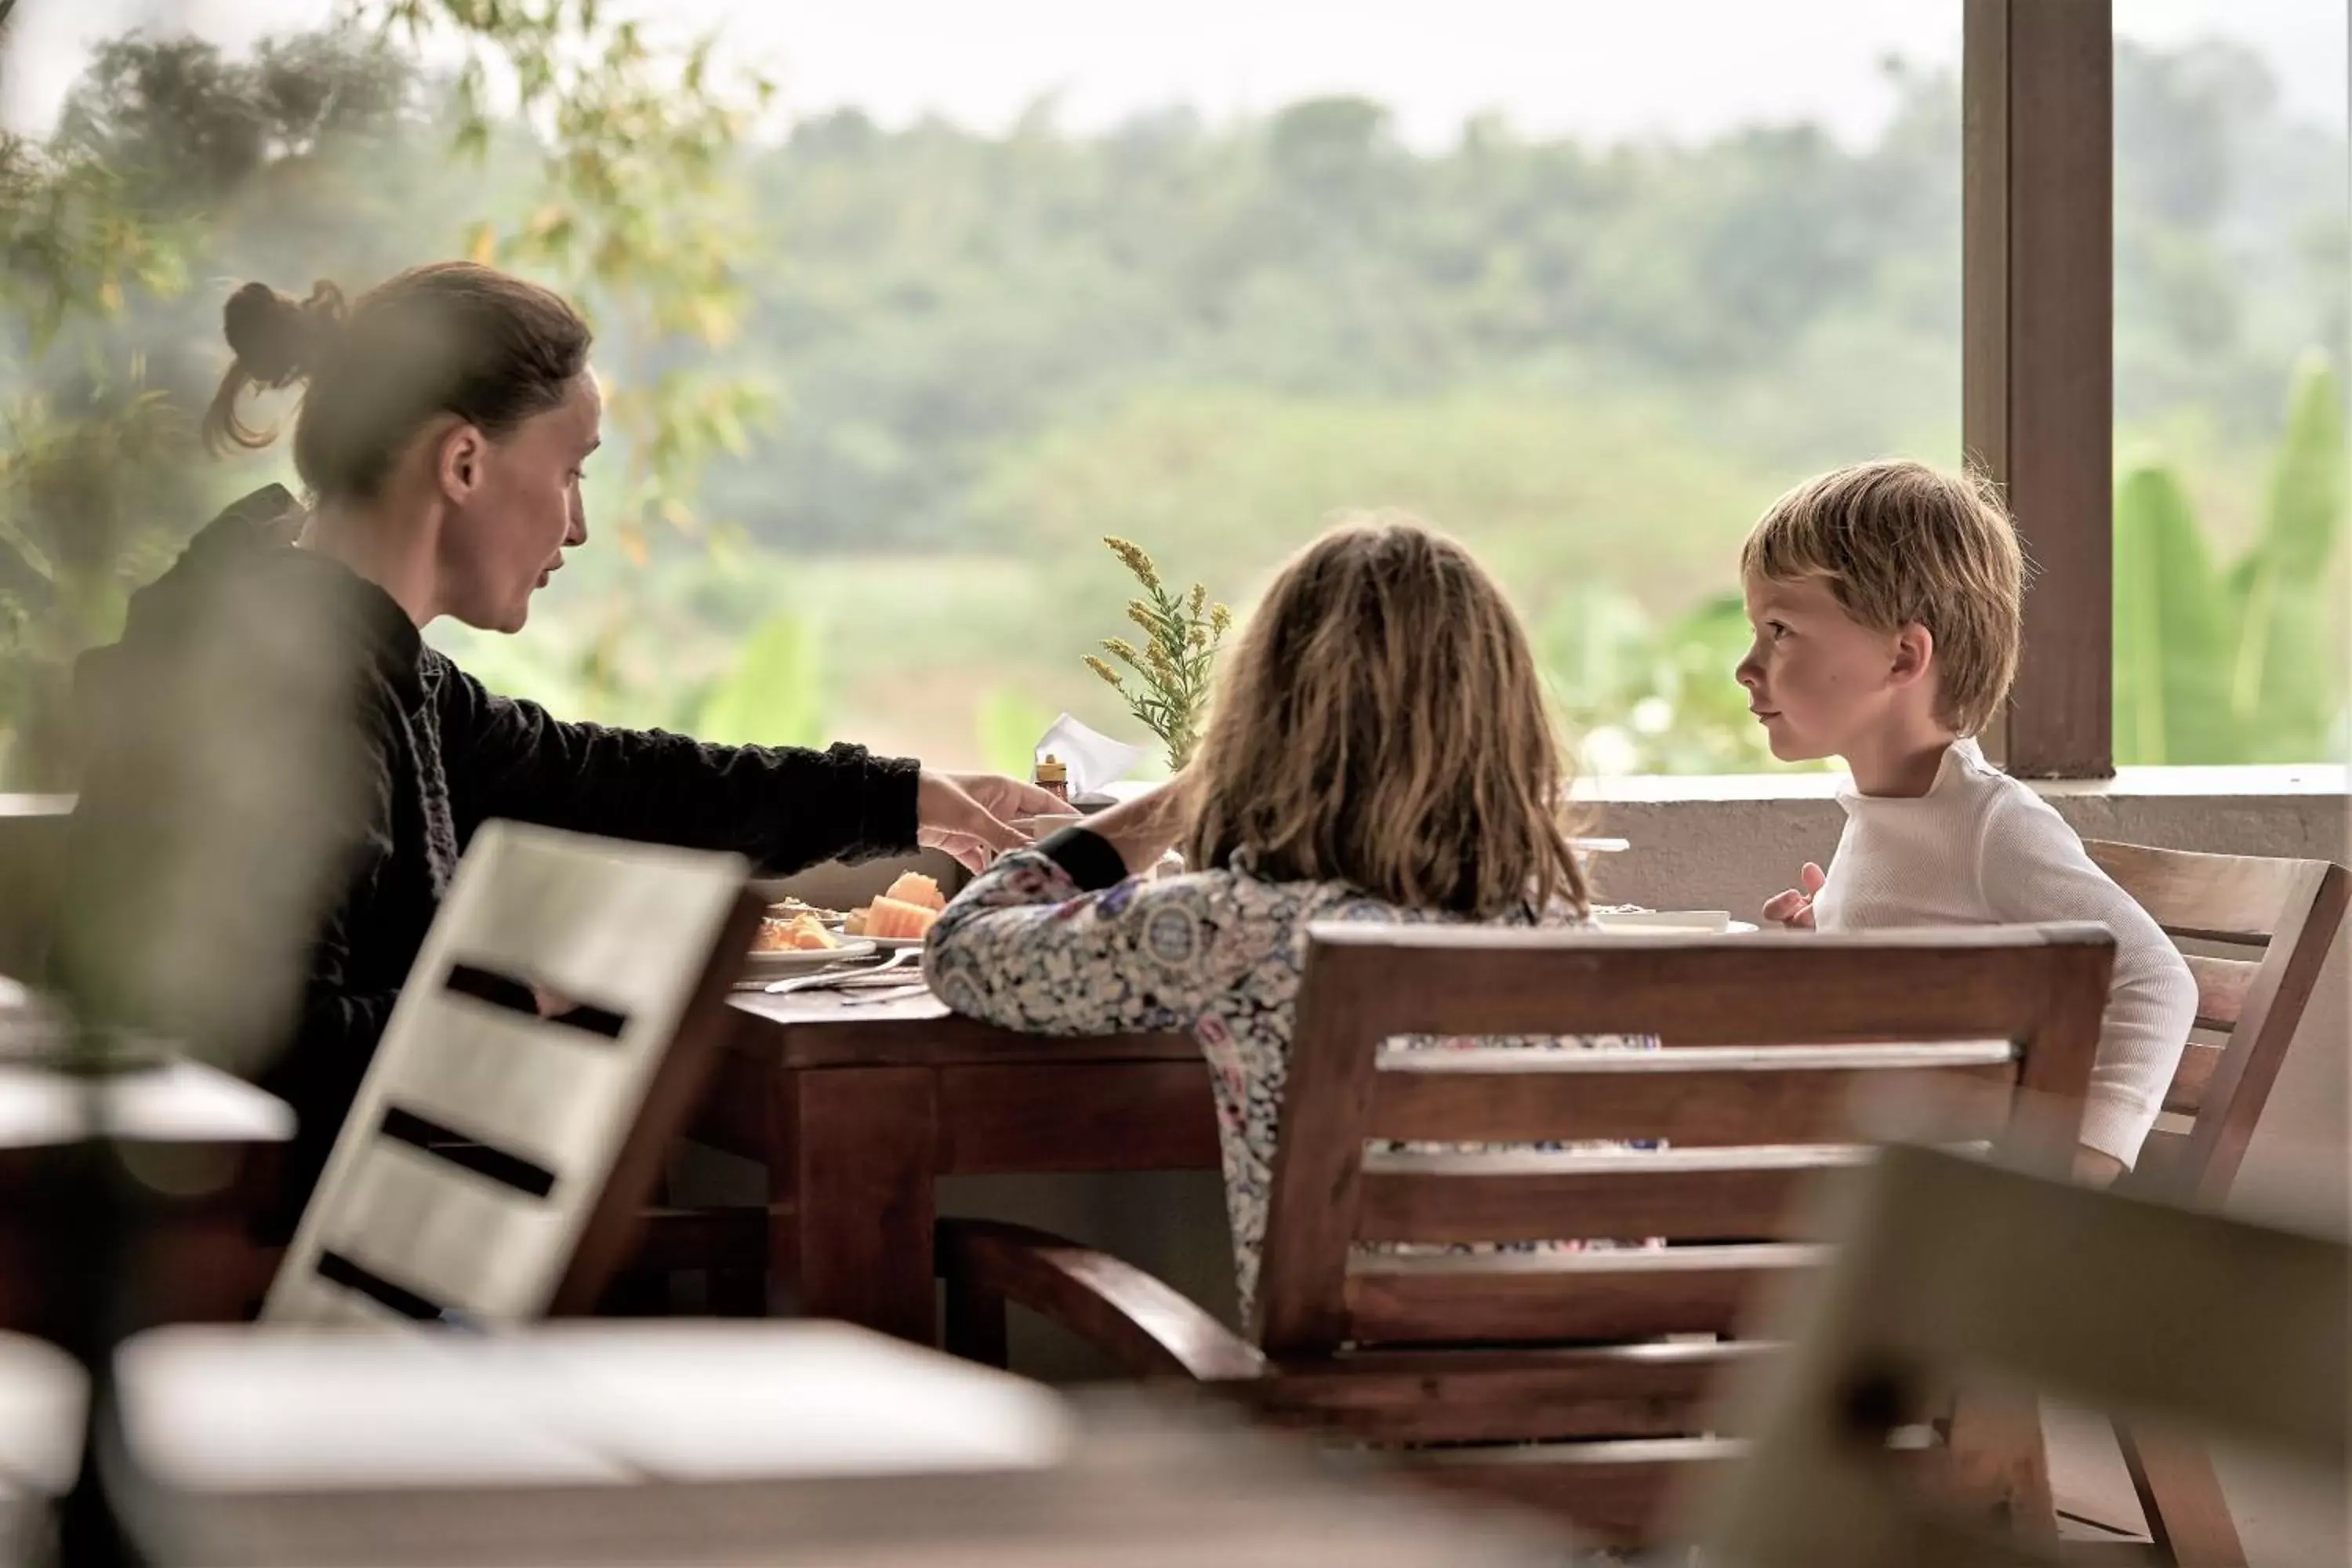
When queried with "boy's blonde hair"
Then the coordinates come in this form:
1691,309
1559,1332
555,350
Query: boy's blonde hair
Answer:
1382,724
1899,543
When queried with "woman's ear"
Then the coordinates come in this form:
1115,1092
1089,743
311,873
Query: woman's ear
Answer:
461,452
1915,654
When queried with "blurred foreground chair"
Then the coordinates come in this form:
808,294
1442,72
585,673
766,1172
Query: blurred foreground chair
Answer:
1955,1266
2282,916
1567,1379
791,1444
496,1163
44,1396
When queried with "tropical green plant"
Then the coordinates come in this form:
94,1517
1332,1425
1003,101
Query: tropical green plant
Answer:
2214,666
1181,635
774,695
2172,670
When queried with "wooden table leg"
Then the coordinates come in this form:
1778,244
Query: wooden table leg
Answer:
2181,1497
2000,1461
865,1147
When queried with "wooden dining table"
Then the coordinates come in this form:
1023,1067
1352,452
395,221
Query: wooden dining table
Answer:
190,1135
857,1107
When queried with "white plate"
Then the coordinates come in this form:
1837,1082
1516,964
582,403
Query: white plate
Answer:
1673,922
1716,920
776,966
891,944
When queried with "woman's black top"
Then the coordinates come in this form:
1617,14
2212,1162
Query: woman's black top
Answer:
433,756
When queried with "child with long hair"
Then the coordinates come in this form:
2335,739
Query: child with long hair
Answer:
1380,750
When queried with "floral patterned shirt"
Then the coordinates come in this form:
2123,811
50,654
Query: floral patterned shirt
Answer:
1030,946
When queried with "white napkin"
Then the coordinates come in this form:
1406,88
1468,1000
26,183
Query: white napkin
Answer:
1094,759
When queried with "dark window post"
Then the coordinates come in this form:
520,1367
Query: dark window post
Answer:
2038,216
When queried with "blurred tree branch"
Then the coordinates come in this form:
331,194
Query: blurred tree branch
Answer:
166,146
639,226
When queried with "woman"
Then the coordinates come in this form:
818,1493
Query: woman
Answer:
445,420
1379,750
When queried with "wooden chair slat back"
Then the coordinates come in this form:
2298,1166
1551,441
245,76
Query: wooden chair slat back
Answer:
2224,898
1679,1193
1975,1012
2186,1094
495,1160
2290,909
1502,1396
1784,1095
1538,1298
1962,983
2222,988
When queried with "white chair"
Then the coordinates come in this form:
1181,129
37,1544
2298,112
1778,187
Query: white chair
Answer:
1956,1267
497,1160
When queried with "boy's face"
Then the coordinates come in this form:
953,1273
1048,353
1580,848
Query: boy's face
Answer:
1817,679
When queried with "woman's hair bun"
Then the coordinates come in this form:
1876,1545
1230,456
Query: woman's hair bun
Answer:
278,339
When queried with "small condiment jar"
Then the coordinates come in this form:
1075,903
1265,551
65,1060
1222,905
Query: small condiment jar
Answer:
1054,777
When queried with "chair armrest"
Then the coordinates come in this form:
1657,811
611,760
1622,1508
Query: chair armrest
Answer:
1147,1326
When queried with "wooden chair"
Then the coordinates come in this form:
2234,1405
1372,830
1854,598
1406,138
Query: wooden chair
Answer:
1949,1263
1566,1354
2284,914
495,1163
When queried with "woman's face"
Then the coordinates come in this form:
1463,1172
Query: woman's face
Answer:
516,509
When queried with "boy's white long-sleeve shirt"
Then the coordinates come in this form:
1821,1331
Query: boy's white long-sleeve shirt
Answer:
1980,848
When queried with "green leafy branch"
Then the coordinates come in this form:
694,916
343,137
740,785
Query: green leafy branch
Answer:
71,243
1181,635
640,224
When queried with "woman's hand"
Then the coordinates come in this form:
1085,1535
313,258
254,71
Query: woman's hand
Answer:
1146,827
1009,800
965,814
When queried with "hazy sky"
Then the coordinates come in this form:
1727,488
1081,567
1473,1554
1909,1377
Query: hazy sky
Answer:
1600,68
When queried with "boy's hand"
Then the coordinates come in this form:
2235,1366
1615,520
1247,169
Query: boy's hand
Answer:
1794,909
2095,1169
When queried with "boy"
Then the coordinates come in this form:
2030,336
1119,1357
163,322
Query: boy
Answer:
1885,600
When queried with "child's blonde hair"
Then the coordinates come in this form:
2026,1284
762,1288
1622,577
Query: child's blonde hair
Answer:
1900,542
1381,724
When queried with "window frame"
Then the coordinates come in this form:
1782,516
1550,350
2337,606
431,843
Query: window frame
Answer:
2037,84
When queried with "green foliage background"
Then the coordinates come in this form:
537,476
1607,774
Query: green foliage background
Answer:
877,392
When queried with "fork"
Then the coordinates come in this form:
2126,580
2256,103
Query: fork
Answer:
917,987
837,976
